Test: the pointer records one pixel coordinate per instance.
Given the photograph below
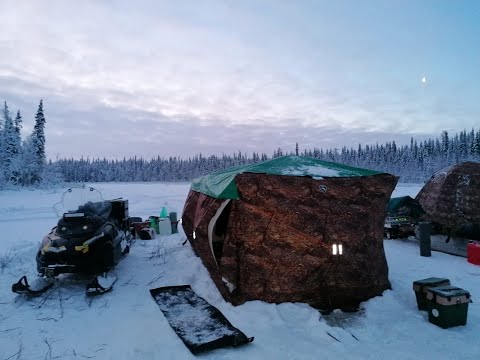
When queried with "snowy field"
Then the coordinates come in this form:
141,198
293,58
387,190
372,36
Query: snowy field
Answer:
127,323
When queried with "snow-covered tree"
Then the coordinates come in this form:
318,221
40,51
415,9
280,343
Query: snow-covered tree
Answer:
2,154
37,142
29,168
52,174
13,149
24,163
18,129
9,148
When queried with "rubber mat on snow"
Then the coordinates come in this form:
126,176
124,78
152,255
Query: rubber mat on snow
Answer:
201,326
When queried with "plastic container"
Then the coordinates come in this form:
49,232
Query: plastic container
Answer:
165,226
473,252
421,287
448,306
154,220
164,212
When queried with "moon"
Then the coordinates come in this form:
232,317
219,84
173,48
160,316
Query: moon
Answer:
424,80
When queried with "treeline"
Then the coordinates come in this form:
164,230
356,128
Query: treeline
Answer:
23,162
415,162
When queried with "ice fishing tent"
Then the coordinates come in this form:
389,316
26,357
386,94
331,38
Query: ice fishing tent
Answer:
451,198
292,229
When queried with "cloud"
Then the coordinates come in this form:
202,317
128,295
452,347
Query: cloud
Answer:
84,124
97,130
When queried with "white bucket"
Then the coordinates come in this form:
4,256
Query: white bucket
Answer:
165,226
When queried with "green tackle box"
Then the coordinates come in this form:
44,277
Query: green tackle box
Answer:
421,286
448,306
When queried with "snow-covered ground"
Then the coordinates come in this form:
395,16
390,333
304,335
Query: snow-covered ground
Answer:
127,323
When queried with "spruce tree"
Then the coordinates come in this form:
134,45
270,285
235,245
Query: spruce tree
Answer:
2,153
15,171
38,143
29,169
18,126
8,142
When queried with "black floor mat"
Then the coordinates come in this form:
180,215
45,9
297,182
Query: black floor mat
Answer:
201,326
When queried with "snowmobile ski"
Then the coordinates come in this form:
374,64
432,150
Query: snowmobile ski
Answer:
100,285
23,287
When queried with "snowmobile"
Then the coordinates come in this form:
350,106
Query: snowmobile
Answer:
89,240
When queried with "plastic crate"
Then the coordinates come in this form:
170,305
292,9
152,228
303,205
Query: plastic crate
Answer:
421,286
448,306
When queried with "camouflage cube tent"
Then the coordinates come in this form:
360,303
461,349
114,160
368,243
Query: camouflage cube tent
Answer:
292,229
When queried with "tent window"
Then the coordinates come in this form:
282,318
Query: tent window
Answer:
219,232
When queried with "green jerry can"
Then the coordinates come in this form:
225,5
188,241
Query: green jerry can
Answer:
154,223
448,306
421,286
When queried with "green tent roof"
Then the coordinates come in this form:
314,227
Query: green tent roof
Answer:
221,184
394,204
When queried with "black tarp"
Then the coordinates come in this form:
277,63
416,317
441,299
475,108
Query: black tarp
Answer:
201,326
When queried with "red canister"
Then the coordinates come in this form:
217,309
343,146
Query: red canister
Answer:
473,252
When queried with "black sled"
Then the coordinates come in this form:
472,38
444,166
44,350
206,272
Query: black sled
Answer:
90,240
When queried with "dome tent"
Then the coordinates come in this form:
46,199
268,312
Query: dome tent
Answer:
292,229
451,198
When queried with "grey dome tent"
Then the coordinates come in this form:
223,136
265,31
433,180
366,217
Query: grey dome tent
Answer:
451,198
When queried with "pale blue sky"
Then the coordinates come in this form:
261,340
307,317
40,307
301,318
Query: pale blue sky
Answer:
123,78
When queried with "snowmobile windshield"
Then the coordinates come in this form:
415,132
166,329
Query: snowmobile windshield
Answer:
75,197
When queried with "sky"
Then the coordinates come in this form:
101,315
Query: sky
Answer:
176,78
